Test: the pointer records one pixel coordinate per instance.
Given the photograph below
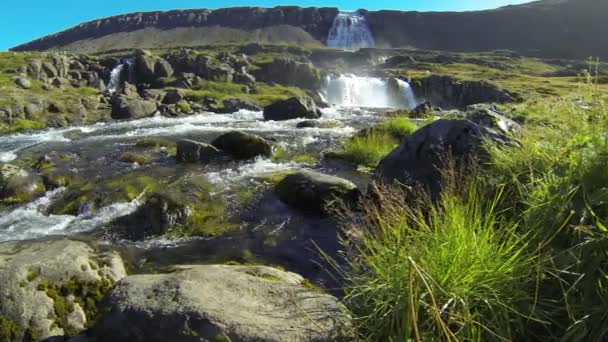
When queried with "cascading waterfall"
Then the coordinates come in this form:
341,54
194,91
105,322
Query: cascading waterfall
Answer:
117,75
350,32
115,78
359,91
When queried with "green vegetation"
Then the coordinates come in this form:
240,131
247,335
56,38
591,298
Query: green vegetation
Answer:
398,127
9,330
517,251
264,94
370,148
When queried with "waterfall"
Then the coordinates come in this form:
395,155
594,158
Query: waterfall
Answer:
350,32
359,91
115,78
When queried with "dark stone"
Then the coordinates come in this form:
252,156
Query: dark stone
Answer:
234,105
293,108
173,96
190,151
421,110
126,108
316,192
242,145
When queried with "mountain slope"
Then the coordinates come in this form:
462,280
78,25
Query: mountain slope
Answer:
547,28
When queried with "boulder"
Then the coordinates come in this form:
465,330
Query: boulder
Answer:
489,116
150,68
18,185
222,303
289,72
315,192
292,108
52,288
242,145
420,158
156,95
173,96
23,82
126,108
234,105
190,151
319,124
421,110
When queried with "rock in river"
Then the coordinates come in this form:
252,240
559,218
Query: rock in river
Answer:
313,191
190,151
17,184
292,108
242,145
221,303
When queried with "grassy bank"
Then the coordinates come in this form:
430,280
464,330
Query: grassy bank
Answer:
519,252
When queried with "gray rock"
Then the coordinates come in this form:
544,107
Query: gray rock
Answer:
217,302
126,108
60,82
55,107
23,82
316,192
173,96
156,95
31,270
234,105
489,116
421,157
150,68
289,72
49,70
17,184
319,124
190,151
242,145
293,108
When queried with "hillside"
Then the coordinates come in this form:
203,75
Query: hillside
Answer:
546,28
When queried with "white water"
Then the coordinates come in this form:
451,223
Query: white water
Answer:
350,32
31,221
115,78
359,91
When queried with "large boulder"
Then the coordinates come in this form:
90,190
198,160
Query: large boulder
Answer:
52,288
149,68
491,117
292,108
221,303
132,108
242,145
190,151
316,192
18,185
289,72
422,156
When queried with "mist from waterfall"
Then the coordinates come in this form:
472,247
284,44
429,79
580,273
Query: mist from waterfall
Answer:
360,91
350,32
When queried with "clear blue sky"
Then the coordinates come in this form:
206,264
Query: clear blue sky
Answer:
24,20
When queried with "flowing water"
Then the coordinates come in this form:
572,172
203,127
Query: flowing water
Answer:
359,91
116,77
350,32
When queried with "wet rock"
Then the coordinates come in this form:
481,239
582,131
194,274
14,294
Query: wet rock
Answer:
217,302
126,108
234,105
421,157
421,110
190,151
293,108
18,185
489,116
289,72
242,145
23,82
316,192
319,124
49,288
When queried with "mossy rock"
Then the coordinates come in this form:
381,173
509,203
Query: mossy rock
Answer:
18,185
242,145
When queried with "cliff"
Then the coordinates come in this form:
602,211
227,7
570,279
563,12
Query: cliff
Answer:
547,28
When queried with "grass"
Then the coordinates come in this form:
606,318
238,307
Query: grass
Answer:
264,95
449,271
398,127
370,148
519,252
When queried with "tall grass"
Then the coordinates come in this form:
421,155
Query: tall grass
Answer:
451,270
370,148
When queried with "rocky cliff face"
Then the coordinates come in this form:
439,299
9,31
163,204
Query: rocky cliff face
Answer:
547,28
315,21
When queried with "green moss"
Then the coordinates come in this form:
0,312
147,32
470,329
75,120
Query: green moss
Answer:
19,125
32,276
10,331
276,177
87,294
184,107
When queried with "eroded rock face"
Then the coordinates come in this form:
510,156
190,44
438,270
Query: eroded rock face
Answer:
18,185
292,108
214,303
315,192
50,288
421,157
447,92
242,145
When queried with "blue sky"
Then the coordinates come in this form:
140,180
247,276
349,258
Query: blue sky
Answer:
24,20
